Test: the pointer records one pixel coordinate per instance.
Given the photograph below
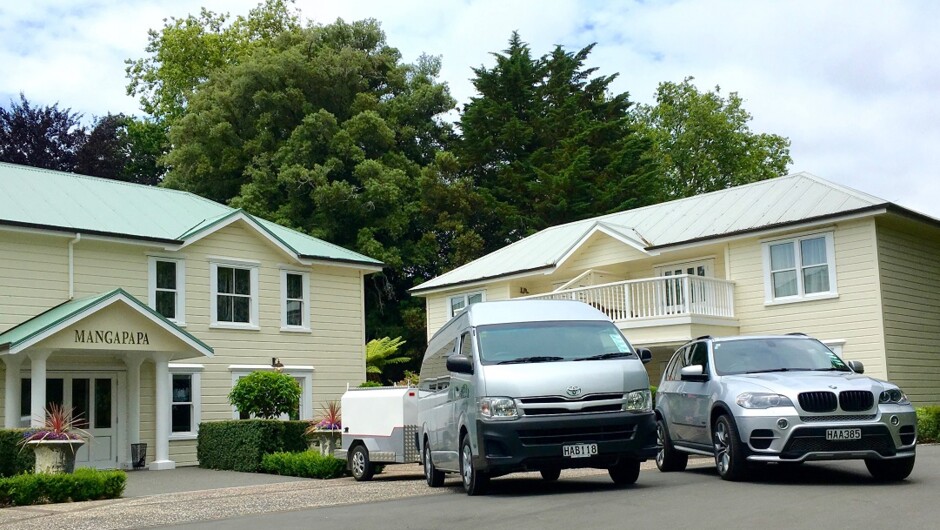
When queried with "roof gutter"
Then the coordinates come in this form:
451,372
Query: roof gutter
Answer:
78,237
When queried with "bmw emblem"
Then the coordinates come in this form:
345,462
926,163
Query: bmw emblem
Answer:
573,391
833,387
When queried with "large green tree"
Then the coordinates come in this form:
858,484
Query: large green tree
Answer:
40,136
546,142
702,142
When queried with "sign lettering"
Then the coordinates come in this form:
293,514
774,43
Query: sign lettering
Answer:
98,336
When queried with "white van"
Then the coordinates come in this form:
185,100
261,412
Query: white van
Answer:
533,385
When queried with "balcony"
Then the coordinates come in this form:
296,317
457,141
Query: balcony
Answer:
680,299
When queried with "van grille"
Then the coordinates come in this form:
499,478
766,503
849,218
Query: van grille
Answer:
818,401
559,399
595,408
606,433
856,400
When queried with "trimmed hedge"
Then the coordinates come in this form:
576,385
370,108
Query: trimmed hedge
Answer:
239,445
928,424
309,464
84,484
14,458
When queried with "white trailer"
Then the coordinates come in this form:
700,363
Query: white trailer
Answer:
380,426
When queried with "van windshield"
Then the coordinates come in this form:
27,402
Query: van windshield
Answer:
525,342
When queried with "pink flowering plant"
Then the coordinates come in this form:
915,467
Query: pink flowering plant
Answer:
330,419
60,423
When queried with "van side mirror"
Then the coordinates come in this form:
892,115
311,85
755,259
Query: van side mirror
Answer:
694,372
857,366
645,355
459,364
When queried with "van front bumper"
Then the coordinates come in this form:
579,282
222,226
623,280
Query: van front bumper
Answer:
535,443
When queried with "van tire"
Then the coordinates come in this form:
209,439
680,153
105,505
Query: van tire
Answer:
474,481
551,474
359,465
625,472
434,478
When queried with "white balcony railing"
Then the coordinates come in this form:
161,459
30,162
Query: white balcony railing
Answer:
666,296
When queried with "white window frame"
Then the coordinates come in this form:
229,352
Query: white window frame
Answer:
252,267
801,296
304,373
195,372
180,319
466,301
304,326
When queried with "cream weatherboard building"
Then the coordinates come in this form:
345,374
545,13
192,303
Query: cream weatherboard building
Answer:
141,306
791,254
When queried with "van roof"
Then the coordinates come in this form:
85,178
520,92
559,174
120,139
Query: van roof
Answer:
484,313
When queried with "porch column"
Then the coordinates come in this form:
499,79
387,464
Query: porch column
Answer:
13,387
162,361
133,398
37,375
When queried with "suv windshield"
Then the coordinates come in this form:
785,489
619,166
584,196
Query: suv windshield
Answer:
531,342
750,356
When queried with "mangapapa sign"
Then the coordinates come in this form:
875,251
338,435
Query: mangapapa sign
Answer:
100,336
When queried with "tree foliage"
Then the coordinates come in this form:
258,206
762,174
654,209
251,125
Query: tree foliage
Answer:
546,143
186,51
46,137
702,141
382,352
265,394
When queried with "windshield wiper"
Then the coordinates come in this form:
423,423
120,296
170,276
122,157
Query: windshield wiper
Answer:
830,370
602,356
535,359
771,370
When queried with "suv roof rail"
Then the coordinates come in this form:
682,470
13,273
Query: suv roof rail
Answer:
799,334
703,337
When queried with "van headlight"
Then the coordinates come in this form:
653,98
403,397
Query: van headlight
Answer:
498,408
638,401
893,396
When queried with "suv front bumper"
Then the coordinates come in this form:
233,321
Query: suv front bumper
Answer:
534,443
885,434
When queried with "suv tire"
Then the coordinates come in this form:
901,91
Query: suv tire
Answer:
890,470
668,458
730,459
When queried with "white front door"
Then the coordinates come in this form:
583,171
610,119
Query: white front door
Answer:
674,293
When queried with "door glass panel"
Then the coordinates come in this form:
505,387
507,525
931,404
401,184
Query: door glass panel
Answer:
102,418
55,392
81,398
26,393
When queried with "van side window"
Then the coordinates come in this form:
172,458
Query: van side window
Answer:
466,346
434,374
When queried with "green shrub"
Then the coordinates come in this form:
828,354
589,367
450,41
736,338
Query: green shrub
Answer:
265,394
309,464
14,458
928,424
83,485
653,394
369,384
239,445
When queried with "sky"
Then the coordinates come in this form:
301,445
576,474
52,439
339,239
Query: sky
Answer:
854,85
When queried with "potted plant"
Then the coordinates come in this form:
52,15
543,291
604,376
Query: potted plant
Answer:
57,440
326,428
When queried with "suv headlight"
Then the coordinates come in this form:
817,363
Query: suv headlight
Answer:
761,400
498,408
893,396
638,401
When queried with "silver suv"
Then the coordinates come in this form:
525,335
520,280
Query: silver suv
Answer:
787,399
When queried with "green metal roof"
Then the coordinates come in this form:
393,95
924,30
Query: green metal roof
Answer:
61,313
41,198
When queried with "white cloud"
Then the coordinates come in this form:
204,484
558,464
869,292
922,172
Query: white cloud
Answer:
853,85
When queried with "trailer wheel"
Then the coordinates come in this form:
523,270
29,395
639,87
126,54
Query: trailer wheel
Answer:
359,463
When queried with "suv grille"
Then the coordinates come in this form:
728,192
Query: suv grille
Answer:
856,417
818,401
856,400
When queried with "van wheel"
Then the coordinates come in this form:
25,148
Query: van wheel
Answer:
359,464
434,477
551,474
625,472
474,482
668,458
730,459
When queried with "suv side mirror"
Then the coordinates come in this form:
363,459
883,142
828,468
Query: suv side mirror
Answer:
694,372
459,364
857,366
645,355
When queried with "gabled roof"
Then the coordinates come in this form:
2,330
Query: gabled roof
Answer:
40,198
55,319
772,203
